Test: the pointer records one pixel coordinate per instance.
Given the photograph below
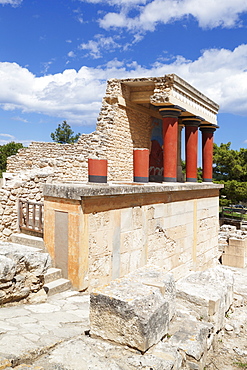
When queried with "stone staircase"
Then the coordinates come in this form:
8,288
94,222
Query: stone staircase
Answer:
54,282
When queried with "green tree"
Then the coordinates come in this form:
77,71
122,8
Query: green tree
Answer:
230,164
64,135
6,151
230,169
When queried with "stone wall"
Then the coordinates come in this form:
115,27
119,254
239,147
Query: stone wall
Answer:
233,246
111,231
119,129
124,122
25,187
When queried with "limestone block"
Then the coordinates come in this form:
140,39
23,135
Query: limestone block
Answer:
136,260
126,242
233,260
159,210
235,250
158,277
137,217
126,219
238,242
191,337
21,271
168,353
124,264
129,313
209,293
7,269
100,266
137,236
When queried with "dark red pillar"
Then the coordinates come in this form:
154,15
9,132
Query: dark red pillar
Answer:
207,153
191,148
97,170
141,165
170,141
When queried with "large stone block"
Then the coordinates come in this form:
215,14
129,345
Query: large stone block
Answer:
158,277
170,356
192,340
209,293
129,313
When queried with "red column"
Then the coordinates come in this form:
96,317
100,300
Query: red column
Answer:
191,148
141,165
97,170
170,142
207,153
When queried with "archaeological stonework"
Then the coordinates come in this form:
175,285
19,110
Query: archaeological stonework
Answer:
22,272
98,232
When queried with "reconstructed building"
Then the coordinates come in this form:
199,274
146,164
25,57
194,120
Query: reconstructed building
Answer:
146,212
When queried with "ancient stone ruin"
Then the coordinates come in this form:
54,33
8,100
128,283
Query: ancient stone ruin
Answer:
123,223
96,232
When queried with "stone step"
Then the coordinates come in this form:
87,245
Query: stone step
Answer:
57,286
28,240
52,275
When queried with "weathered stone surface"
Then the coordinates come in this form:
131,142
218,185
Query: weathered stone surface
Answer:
130,313
92,354
169,353
7,269
4,363
155,276
22,271
191,336
209,293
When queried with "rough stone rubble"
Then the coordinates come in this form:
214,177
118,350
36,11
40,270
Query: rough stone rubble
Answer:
54,335
22,271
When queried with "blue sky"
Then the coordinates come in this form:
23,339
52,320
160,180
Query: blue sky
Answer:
56,55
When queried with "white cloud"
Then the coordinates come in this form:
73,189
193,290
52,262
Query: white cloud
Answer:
8,135
209,14
11,2
117,2
7,138
221,74
71,54
99,44
19,119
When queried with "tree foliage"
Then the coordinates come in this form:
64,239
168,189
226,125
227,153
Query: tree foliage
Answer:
6,151
230,169
64,135
230,164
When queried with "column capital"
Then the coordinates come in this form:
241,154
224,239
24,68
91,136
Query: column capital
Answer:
208,128
170,111
192,120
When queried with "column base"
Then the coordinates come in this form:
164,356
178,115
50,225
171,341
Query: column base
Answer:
169,179
140,179
207,180
191,179
98,179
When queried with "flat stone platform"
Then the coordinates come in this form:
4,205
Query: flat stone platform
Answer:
76,191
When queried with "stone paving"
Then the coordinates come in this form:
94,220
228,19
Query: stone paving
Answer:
27,331
53,335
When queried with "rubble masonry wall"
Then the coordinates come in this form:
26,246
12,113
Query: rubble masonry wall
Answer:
119,129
